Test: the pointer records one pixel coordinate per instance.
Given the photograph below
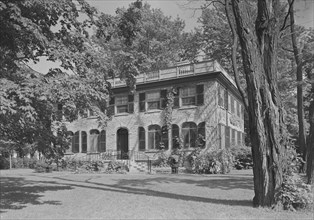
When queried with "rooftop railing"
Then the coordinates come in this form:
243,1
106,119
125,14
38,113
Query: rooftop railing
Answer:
184,70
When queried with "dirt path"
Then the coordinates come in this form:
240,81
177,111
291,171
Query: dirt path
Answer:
62,195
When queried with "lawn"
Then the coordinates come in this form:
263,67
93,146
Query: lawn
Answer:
63,195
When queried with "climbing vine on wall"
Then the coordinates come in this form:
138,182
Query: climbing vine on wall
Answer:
169,107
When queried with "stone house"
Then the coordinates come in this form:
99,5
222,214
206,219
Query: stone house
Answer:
205,103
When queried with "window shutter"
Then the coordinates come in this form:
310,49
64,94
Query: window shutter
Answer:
142,102
131,104
141,137
111,106
163,98
200,94
176,103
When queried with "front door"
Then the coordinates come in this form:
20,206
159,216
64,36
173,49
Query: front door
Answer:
123,143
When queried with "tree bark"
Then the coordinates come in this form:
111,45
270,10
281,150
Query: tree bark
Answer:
310,147
300,105
310,158
267,129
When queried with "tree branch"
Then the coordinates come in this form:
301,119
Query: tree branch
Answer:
287,15
234,53
286,49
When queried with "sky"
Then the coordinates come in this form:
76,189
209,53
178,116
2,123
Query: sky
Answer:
185,9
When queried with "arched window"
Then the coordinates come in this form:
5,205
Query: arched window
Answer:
201,134
93,140
76,142
141,138
164,136
84,141
154,136
102,141
189,133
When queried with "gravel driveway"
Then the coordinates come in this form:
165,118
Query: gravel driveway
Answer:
63,195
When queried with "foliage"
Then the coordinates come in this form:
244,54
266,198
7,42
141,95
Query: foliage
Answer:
4,163
162,159
209,162
294,193
242,157
43,166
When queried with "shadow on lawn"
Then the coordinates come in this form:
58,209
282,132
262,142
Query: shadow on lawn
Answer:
17,193
121,187
225,183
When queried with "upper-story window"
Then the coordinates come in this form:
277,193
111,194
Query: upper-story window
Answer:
222,97
193,95
122,104
153,100
188,95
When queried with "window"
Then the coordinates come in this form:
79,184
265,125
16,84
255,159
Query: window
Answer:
164,136
239,138
243,138
102,141
84,142
233,137
122,104
141,138
154,136
221,129
175,135
220,96
232,104
238,109
188,96
201,134
242,111
93,140
76,142
91,113
189,133
227,136
153,100
226,99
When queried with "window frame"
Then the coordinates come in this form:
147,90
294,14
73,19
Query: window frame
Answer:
156,136
192,136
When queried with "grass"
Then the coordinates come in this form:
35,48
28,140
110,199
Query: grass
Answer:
63,195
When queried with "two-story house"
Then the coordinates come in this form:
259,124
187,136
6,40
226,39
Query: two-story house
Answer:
205,103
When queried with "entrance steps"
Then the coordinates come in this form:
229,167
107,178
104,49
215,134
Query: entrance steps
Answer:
138,167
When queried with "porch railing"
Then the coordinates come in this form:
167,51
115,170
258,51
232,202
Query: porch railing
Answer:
118,155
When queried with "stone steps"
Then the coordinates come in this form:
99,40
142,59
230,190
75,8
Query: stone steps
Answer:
138,167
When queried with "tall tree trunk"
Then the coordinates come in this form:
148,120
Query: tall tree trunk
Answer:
310,141
298,59
310,157
267,129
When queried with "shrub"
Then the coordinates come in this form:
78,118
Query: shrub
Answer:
242,157
162,159
116,166
42,166
295,194
209,162
4,163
